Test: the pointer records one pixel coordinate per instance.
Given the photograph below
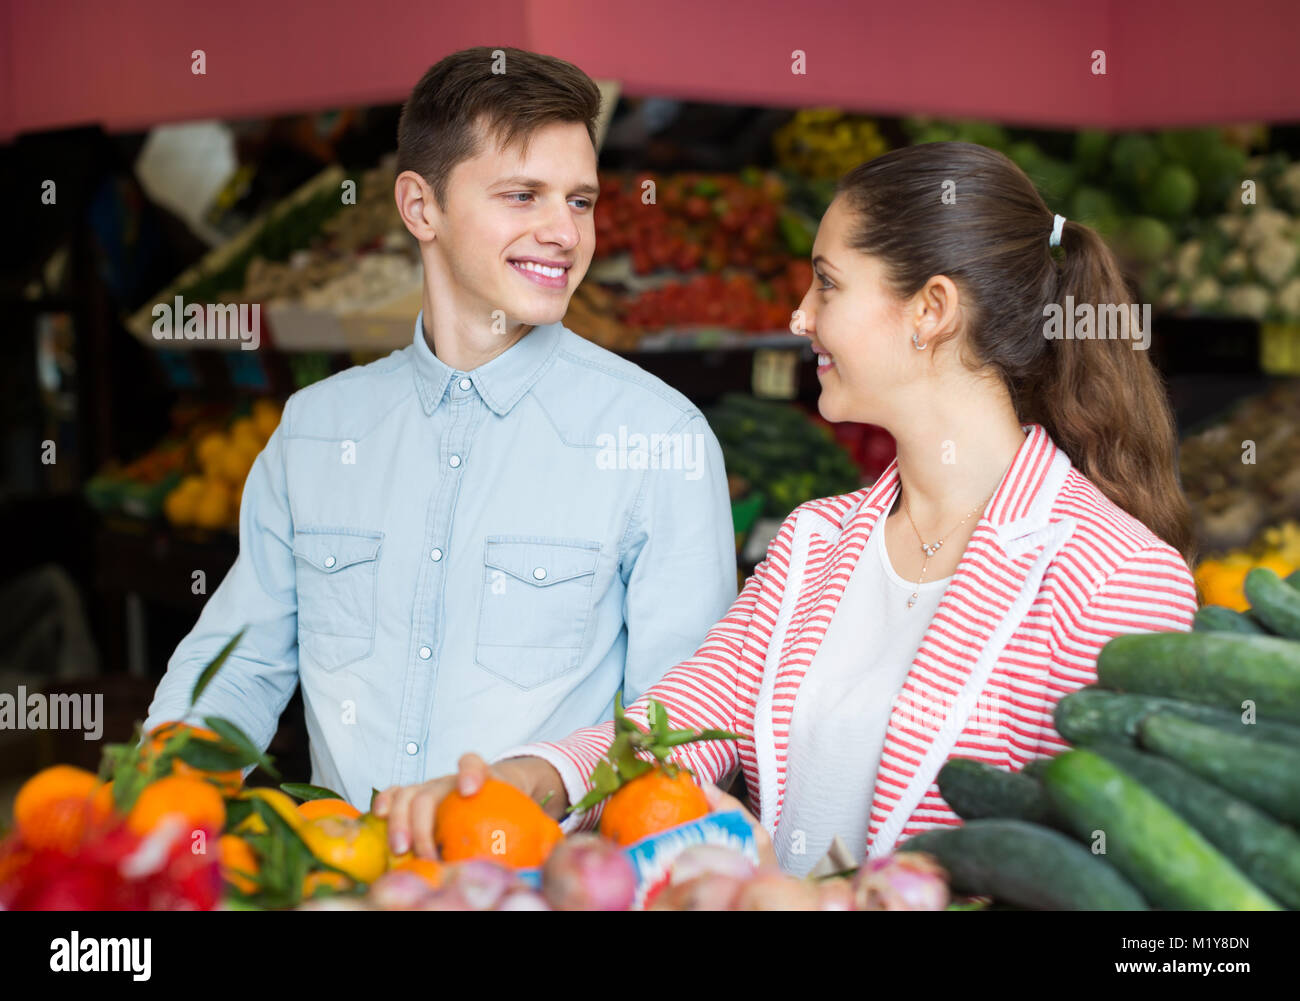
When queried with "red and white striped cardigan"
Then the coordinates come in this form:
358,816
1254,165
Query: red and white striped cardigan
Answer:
1053,570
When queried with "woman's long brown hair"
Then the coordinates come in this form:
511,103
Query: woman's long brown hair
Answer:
1101,400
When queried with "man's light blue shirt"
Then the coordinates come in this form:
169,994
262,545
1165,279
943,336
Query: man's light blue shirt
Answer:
452,561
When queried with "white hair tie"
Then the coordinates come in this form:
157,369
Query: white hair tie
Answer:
1057,225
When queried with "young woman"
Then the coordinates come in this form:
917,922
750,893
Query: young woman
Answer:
1033,512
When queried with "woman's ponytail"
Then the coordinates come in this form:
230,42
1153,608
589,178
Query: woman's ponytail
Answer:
1100,397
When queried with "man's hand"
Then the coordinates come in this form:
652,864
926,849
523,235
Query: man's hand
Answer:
410,809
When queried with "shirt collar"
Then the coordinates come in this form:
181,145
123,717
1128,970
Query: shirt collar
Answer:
501,383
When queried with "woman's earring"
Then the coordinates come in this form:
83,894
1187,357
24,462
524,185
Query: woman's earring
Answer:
916,342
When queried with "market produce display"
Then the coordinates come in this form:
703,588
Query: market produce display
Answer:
1243,474
168,824
209,496
826,143
695,221
1245,259
774,449
195,474
1183,781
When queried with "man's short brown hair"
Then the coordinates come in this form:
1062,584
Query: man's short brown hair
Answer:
460,101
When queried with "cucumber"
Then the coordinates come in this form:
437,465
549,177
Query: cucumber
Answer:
1220,619
1162,855
1274,602
1293,578
974,790
1220,669
1092,716
1034,768
1266,851
1262,773
1026,865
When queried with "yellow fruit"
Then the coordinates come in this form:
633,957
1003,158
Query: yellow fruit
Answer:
357,847
284,806
252,824
179,505
237,460
245,430
214,506
266,417
209,451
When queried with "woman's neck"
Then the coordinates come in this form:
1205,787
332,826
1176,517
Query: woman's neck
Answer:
948,463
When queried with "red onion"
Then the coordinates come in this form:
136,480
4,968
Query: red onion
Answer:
907,881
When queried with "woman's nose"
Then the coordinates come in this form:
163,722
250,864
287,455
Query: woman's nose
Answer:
801,320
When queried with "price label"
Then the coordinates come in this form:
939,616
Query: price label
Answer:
1279,348
776,374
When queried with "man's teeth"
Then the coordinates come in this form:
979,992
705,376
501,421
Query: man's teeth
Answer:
824,360
541,269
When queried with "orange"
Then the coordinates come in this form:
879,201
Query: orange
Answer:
57,807
239,865
426,868
499,823
228,782
314,808
357,846
651,803
193,799
323,879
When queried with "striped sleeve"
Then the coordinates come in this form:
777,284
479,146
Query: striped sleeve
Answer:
1151,591
702,692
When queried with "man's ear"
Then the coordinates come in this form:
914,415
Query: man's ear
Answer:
416,205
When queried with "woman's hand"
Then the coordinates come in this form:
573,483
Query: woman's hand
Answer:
721,802
410,809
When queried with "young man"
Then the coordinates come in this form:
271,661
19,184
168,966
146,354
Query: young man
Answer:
478,540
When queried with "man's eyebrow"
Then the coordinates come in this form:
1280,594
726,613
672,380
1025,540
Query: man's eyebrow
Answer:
532,182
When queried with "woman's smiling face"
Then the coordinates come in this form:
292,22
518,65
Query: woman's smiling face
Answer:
858,327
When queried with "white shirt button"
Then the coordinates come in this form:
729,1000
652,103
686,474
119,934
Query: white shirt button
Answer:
465,384
540,573
425,653
330,561
454,461
412,747
435,555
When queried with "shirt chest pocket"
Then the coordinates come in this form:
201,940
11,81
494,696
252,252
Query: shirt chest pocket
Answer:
535,605
337,577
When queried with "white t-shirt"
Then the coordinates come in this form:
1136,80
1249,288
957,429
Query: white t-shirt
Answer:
837,728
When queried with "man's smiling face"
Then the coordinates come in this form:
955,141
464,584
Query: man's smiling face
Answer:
517,233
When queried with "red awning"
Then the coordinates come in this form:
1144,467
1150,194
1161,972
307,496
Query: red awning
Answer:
127,64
